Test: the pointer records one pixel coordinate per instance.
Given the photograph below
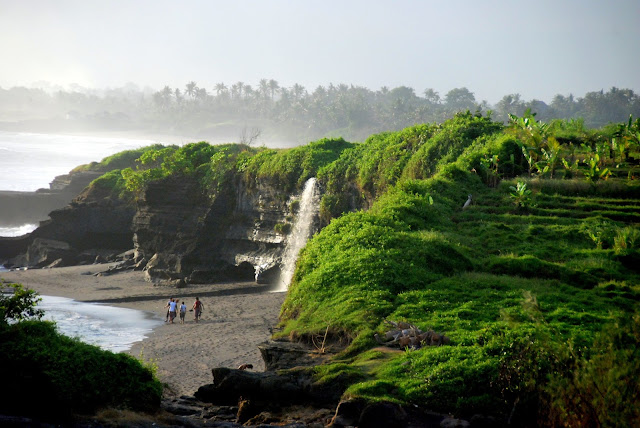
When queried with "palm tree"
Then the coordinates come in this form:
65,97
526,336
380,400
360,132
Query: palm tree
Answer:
298,91
319,93
263,88
166,93
178,95
343,88
238,89
191,89
273,87
532,135
162,98
431,96
220,88
201,94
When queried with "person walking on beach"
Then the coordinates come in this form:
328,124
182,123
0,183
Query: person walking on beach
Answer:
183,312
168,307
198,307
172,309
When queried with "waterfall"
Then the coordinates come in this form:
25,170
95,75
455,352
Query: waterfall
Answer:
301,232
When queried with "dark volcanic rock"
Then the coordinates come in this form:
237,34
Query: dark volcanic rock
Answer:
228,237
43,252
90,222
230,386
278,355
348,413
32,207
383,415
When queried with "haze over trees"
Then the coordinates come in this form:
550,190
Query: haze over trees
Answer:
221,113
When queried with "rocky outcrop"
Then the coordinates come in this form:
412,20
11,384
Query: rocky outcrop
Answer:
181,233
291,387
91,226
20,208
231,236
287,393
279,355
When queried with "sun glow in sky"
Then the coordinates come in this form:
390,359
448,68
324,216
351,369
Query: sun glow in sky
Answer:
493,47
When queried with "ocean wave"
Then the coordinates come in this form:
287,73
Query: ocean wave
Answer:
112,328
17,230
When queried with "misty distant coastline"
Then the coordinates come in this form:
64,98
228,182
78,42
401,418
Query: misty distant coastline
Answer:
277,116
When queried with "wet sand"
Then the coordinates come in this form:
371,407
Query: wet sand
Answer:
237,317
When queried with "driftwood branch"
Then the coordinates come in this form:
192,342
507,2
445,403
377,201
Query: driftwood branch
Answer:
405,335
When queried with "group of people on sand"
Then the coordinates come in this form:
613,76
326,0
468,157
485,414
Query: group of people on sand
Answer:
173,307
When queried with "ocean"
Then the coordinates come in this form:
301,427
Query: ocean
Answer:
30,161
111,328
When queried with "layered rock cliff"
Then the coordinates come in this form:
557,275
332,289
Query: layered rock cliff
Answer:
186,235
91,225
180,233
19,208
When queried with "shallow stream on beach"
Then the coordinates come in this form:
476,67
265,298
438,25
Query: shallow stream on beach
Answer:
111,328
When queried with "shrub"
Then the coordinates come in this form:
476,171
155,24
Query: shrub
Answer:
452,138
18,303
599,386
288,169
53,376
625,240
282,228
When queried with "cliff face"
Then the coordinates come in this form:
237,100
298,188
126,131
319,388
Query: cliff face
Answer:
76,231
31,207
185,235
84,229
177,231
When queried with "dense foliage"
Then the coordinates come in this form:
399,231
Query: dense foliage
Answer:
536,283
54,376
18,303
215,167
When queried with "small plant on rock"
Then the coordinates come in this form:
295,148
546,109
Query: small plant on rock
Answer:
282,228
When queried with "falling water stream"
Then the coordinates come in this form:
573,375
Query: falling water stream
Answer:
309,203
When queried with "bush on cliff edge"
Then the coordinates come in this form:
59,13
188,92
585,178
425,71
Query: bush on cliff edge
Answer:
51,376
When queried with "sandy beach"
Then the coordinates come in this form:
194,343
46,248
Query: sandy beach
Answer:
237,317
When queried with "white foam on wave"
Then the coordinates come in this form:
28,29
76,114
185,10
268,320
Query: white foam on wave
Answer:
111,328
17,230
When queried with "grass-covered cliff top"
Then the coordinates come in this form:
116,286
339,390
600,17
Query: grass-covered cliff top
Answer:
536,282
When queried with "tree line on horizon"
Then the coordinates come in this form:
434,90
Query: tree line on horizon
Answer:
351,111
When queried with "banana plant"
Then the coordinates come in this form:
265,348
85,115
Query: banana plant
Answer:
532,135
571,168
626,137
531,155
552,154
520,195
490,164
594,172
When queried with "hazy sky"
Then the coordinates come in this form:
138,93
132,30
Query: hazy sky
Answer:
535,48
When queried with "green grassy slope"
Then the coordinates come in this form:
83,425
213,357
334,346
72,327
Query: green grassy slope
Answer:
536,283
523,292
